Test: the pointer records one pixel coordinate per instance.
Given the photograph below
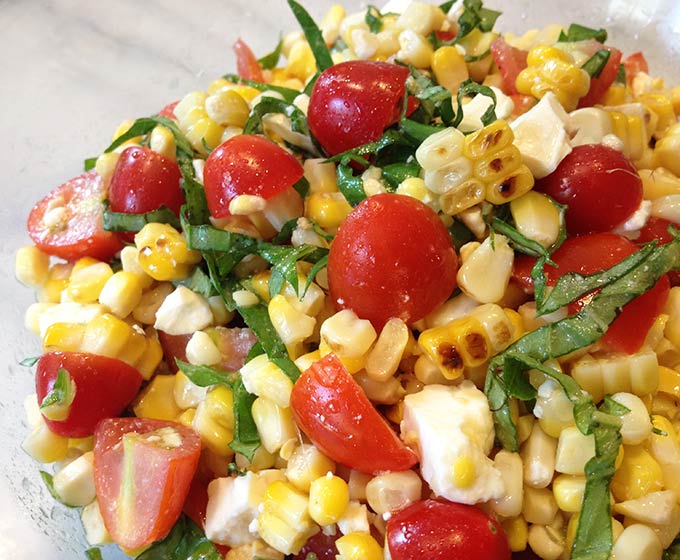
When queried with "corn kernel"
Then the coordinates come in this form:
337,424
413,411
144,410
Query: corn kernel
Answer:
32,266
328,499
85,284
306,464
464,474
358,546
517,532
162,141
449,68
163,252
639,474
328,209
157,400
275,424
121,293
214,420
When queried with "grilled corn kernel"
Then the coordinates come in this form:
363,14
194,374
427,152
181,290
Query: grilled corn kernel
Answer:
121,293
358,546
440,149
157,400
32,266
214,420
328,499
163,252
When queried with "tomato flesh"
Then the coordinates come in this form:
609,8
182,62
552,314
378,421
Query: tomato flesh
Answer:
169,110
353,102
392,257
247,65
143,470
321,545
104,387
330,407
247,164
442,530
67,223
634,64
657,229
599,184
600,84
510,61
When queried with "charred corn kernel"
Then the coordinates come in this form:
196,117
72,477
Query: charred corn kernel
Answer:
486,270
551,69
440,149
44,445
306,464
631,128
449,68
666,149
106,164
414,49
263,378
547,542
121,293
328,499
157,400
539,505
358,546
214,420
274,424
638,475
517,531
85,284
163,252
574,450
328,209
162,141
31,266
284,522
301,63
201,350
206,131
130,263
536,217
383,359
346,335
662,106
538,458
63,337
321,175
514,185
391,491
464,196
330,24
568,491
227,108
292,325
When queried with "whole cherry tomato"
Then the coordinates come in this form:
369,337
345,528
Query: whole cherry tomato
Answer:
247,164
392,257
143,471
67,223
103,388
442,530
330,407
599,184
600,84
247,65
353,102
510,61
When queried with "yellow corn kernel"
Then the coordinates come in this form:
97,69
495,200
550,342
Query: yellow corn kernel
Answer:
106,335
121,293
56,283
449,68
632,130
204,130
284,522
486,269
328,209
187,417
536,217
130,263
191,101
662,106
667,149
358,546
263,378
301,63
383,359
147,363
321,175
346,335
292,325
517,531
615,95
669,381
275,424
658,182
157,400
86,283
31,266
44,445
489,140
543,53
464,474
163,252
214,420
568,491
63,337
514,185
162,141
414,49
122,129
477,44
466,195
106,164
227,108
328,499
498,165
638,475
330,24
305,464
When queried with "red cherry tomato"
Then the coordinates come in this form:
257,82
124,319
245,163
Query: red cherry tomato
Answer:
392,257
595,252
600,85
600,186
634,64
510,61
321,545
143,470
104,387
67,223
169,110
657,229
330,407
522,103
445,36
247,164
144,180
353,102
442,530
247,65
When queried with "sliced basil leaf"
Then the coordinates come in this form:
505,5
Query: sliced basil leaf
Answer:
119,221
246,438
475,16
195,210
88,164
29,362
268,105
302,186
396,173
94,554
284,261
373,19
349,185
578,32
314,37
520,242
446,6
185,541
145,125
254,352
418,132
62,391
270,60
206,376
288,94
198,282
48,479
468,87
621,77
318,266
596,63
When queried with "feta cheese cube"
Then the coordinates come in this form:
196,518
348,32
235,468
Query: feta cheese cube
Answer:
473,110
183,312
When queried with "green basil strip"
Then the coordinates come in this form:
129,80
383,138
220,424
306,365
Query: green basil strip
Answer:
314,37
418,132
578,32
257,318
522,243
255,351
206,376
88,164
29,362
477,57
94,554
209,238
268,105
146,125
195,211
48,479
621,77
349,185
198,282
388,138
596,63
396,173
468,87
288,94
225,287
270,60
309,86
446,6
61,390
246,439
373,19
302,186
284,260
185,541
475,16
318,266
119,221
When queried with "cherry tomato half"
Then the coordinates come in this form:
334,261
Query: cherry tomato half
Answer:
442,530
600,84
247,164
595,252
353,102
599,184
143,470
67,223
634,64
392,257
247,65
330,407
657,229
104,387
169,110
510,61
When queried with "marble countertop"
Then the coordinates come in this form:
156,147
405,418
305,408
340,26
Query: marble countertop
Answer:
72,70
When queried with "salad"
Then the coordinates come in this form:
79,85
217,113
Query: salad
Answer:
403,287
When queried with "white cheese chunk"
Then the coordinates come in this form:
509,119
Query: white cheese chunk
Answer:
637,220
589,126
541,136
183,312
447,424
233,504
75,482
473,111
355,519
395,6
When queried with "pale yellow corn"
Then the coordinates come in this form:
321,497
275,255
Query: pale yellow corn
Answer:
301,63
449,68
358,546
574,450
186,393
346,335
162,141
666,149
383,359
292,325
547,542
486,269
57,280
157,400
33,314
121,293
106,165
109,336
263,378
538,458
440,149
227,108
568,491
414,49
638,475
389,391
636,425
31,266
328,499
421,17
321,175
93,523
478,43
163,252
86,283
275,424
330,24
554,409
536,217
307,463
44,445
188,103
391,491
525,424
130,263
63,337
510,466
517,532
658,183
637,542
662,106
123,128
539,505
202,350
204,130
328,209
214,420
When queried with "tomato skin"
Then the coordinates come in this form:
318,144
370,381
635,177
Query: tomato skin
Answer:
599,184
510,61
657,229
169,110
442,530
141,487
247,164
330,407
80,233
595,252
634,64
392,257
321,544
600,85
247,65
353,102
104,387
